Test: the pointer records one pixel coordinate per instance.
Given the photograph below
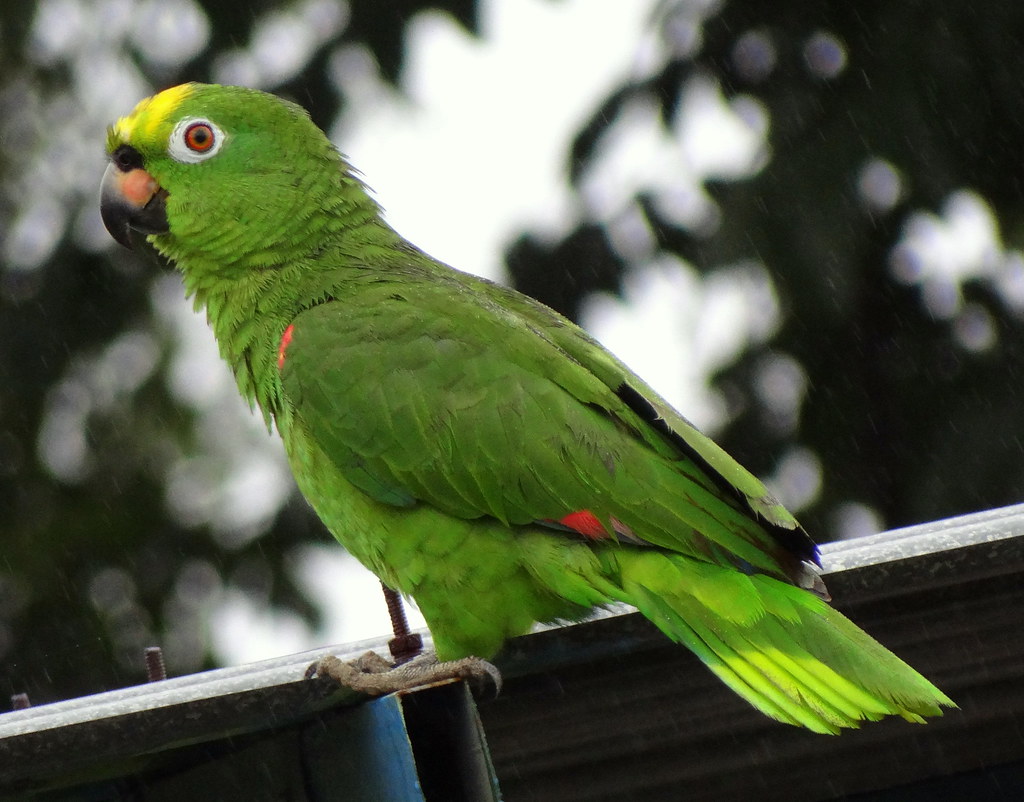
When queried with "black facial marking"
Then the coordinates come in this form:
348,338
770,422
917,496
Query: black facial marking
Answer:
126,158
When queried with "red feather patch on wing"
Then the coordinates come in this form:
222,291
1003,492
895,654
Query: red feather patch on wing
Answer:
286,338
586,523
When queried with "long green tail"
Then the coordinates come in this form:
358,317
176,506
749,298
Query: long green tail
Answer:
781,648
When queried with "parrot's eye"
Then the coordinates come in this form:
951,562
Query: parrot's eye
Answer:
195,140
199,137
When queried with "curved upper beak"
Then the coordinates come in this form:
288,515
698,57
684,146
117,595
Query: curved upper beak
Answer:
131,200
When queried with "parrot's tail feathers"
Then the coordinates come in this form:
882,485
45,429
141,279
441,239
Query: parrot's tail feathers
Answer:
781,648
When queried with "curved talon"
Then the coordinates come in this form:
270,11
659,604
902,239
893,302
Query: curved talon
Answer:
373,675
477,670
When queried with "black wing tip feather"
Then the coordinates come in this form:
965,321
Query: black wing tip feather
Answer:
795,541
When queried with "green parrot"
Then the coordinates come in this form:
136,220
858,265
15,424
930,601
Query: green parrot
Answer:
473,448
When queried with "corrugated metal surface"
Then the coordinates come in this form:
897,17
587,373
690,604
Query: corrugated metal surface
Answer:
606,710
648,722
253,733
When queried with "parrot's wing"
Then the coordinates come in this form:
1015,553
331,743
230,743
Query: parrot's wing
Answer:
476,400
652,408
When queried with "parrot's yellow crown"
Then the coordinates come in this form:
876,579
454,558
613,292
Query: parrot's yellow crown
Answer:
149,113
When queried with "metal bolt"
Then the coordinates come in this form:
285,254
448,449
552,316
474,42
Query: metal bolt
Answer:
405,645
155,668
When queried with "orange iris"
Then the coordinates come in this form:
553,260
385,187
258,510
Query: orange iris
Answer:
199,137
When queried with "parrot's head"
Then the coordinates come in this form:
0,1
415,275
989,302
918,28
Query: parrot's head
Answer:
224,175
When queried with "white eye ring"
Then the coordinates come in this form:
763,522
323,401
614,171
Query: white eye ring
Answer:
182,149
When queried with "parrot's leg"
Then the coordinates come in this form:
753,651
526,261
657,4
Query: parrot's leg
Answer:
373,675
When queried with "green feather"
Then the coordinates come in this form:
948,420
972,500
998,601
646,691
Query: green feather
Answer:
783,650
442,426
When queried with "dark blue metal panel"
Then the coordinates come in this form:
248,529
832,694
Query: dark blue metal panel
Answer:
425,745
362,754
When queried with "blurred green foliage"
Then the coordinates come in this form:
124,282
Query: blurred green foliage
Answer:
910,358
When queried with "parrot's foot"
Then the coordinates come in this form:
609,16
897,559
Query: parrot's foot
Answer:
373,675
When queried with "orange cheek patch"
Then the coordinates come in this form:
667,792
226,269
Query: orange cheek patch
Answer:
138,186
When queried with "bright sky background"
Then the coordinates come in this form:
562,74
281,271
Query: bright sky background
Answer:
477,150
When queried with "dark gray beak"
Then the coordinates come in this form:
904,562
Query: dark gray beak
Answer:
131,201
